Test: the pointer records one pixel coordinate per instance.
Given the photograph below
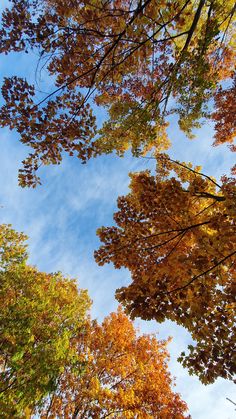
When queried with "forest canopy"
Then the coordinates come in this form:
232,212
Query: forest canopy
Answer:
141,61
143,64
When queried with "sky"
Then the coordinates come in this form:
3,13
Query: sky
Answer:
61,218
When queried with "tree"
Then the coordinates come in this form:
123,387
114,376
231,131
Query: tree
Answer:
130,57
56,362
177,237
39,316
126,376
225,124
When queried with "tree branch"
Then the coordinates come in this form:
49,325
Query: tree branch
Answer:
202,274
177,230
185,167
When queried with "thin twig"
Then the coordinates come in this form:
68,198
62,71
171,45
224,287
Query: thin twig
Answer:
202,274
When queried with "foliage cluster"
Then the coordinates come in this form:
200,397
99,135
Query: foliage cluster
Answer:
133,58
56,362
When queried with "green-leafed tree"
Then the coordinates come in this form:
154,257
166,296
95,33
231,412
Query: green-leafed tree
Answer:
40,314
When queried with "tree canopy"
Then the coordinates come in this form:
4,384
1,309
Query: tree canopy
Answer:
177,237
57,362
40,314
125,376
133,58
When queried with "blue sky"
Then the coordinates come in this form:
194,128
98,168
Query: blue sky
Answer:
61,218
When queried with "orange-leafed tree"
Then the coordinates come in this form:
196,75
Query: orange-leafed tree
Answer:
177,236
224,115
130,57
125,376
